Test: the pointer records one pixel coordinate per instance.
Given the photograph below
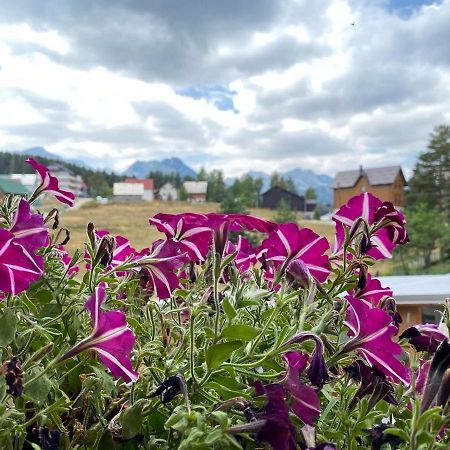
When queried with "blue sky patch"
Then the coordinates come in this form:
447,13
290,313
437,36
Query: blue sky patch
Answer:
220,96
405,8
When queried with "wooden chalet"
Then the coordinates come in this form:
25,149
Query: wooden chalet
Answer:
386,183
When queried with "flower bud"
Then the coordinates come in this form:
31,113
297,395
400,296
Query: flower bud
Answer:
298,272
14,376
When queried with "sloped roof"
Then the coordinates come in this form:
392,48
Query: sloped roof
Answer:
278,188
418,289
376,176
147,182
195,187
9,186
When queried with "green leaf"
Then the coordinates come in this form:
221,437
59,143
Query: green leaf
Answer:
240,331
8,324
219,353
397,432
43,297
229,309
131,419
38,390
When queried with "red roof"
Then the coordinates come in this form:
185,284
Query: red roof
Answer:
147,182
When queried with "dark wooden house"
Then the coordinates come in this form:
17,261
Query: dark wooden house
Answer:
274,195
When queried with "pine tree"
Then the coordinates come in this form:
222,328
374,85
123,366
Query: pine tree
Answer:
430,184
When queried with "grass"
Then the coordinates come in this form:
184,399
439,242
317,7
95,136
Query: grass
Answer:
131,220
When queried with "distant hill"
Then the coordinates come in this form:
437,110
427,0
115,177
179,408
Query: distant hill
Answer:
303,179
141,169
41,152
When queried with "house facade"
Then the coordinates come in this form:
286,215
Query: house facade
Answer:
386,183
68,181
149,192
272,197
196,191
167,192
128,192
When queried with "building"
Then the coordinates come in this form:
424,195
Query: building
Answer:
167,192
29,180
196,191
272,197
386,183
418,297
128,192
9,186
68,181
149,194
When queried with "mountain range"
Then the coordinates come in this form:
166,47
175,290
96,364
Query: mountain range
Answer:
302,178
141,169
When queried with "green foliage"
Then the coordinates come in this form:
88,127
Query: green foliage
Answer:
232,205
285,183
310,194
98,182
161,178
284,213
430,183
428,233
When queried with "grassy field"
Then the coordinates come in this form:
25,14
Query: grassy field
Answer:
131,220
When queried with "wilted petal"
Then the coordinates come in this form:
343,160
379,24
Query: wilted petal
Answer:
436,375
278,430
50,184
29,229
306,404
425,337
371,330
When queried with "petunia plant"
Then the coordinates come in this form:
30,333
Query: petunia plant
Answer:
204,339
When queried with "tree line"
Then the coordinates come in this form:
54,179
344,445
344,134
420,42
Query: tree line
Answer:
99,183
428,206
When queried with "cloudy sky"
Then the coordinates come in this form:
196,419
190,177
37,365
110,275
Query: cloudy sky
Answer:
236,84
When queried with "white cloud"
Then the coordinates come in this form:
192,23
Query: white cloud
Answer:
318,85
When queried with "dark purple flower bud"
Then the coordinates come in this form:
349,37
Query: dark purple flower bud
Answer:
14,376
444,392
389,305
379,437
394,222
424,338
437,379
317,371
47,439
297,271
373,384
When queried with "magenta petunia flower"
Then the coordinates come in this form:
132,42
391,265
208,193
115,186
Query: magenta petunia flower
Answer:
386,226
50,184
371,331
18,268
111,338
191,231
245,256
290,243
160,267
373,292
29,229
197,232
